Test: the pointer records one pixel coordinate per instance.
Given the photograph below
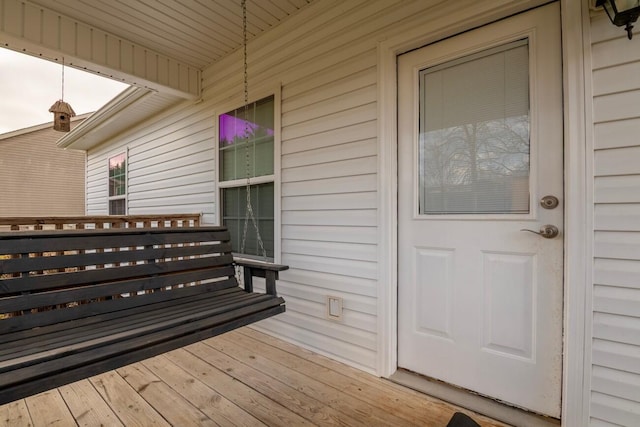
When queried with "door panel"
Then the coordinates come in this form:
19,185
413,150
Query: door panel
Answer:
480,143
508,304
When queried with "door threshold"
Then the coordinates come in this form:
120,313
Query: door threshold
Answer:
469,400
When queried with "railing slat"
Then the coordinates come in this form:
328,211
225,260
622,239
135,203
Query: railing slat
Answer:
100,221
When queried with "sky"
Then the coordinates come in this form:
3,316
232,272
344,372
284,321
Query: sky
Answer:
30,85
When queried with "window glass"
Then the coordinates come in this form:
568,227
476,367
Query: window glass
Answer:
474,134
117,207
234,202
117,184
246,141
117,176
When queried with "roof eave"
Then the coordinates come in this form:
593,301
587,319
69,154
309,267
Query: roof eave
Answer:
76,139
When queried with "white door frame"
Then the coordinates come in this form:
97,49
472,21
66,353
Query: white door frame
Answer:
578,200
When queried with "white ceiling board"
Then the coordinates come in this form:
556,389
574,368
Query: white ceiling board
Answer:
194,32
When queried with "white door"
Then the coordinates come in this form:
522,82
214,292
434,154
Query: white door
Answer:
480,145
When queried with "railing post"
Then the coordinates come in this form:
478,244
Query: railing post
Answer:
270,279
248,279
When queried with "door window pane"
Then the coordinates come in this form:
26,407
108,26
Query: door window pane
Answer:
474,134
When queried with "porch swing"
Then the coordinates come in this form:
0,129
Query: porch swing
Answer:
77,303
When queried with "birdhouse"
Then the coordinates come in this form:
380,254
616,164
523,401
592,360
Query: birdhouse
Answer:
62,113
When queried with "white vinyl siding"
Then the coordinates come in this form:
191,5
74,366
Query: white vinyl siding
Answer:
329,183
38,178
324,59
615,378
171,166
325,62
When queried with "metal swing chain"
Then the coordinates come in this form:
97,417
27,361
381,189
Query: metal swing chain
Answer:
249,209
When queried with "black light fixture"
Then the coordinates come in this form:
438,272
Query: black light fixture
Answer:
622,12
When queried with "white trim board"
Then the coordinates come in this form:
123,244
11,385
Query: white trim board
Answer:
578,143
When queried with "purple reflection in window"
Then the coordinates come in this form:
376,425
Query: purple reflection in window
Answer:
116,162
232,129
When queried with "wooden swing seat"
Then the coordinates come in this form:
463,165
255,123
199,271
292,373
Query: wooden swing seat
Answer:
77,303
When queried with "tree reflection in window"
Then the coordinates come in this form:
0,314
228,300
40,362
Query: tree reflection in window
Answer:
476,168
473,148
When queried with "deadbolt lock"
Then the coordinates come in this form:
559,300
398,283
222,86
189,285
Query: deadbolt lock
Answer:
549,202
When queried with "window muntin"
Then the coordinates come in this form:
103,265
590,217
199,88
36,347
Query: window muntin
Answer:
118,184
246,150
474,146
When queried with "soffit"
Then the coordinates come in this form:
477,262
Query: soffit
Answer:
196,32
111,120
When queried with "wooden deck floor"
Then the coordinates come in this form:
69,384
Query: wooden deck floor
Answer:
243,378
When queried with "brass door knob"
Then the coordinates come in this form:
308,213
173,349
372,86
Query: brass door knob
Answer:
547,231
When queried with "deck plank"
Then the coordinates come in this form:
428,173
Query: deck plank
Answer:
173,407
242,378
408,404
327,393
87,406
206,399
258,405
15,414
403,404
49,409
284,394
130,407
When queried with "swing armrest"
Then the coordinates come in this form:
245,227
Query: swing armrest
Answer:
266,270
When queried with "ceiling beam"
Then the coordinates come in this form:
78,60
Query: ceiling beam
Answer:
32,29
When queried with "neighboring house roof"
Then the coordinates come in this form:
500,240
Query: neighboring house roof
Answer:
36,128
110,120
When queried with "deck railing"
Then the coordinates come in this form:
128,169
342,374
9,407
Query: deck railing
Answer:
8,224
99,221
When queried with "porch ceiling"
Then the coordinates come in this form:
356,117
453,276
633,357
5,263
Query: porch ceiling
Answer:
194,32
161,45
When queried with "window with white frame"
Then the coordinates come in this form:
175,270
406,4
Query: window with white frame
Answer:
246,151
118,184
